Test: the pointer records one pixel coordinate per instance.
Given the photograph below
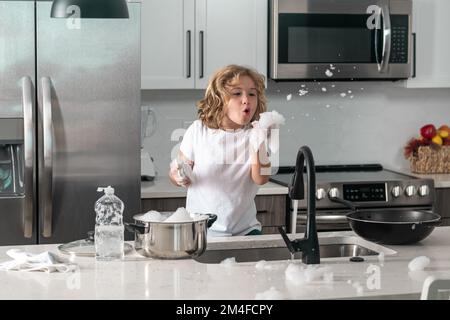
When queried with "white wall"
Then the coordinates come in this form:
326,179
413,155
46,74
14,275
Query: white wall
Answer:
369,125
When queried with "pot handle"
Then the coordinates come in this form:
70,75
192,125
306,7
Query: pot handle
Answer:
133,227
211,219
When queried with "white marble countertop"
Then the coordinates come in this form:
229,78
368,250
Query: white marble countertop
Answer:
137,277
161,187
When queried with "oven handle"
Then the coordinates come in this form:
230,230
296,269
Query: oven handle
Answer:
325,219
386,15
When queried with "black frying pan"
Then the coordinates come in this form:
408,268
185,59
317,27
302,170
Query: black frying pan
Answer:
391,226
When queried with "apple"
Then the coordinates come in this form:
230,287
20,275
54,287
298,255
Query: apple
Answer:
428,131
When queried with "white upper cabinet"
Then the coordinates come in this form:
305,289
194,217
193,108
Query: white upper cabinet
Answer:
185,41
431,24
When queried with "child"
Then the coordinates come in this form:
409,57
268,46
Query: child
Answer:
226,169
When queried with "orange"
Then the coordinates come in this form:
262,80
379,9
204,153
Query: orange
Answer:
445,127
443,133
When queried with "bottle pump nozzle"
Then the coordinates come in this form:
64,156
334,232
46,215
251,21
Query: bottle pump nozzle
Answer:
108,190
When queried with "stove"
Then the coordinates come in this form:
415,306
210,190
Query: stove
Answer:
366,185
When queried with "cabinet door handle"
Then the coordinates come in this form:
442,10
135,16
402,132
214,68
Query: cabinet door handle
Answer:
261,211
202,53
188,54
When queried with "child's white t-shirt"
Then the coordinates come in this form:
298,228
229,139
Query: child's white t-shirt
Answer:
222,182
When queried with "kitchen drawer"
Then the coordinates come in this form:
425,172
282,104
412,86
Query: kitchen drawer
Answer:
271,212
271,209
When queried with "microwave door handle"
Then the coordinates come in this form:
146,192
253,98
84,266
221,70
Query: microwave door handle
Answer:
28,138
47,184
383,65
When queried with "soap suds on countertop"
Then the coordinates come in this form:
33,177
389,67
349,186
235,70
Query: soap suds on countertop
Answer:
271,294
418,263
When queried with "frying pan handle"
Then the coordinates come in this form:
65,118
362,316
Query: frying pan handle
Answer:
346,203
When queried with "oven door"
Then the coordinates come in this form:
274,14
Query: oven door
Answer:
349,39
333,220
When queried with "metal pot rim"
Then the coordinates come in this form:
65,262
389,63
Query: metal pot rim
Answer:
199,218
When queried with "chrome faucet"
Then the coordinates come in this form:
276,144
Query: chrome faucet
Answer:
309,245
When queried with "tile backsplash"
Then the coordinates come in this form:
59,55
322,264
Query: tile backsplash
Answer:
342,122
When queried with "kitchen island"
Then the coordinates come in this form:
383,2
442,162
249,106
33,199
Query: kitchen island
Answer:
137,277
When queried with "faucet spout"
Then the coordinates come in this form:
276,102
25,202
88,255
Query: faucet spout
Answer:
309,245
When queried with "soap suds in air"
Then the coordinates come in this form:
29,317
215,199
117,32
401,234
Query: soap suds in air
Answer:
324,89
289,97
327,106
271,294
328,73
302,92
419,263
343,94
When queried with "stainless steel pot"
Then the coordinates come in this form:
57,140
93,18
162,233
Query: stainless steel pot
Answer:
171,240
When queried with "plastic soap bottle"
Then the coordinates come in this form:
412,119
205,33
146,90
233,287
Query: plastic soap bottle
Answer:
109,230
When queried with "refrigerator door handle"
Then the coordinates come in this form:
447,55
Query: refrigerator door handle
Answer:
47,184
28,137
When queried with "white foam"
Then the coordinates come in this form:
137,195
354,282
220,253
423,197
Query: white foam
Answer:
419,263
298,275
271,294
302,92
260,265
228,262
289,97
324,89
343,94
151,216
180,215
270,118
328,73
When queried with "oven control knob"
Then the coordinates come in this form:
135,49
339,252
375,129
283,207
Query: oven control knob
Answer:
333,193
410,191
320,194
424,190
396,191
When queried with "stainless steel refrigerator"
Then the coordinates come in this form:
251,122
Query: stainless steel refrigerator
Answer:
69,120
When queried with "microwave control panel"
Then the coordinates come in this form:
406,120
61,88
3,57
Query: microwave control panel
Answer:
399,40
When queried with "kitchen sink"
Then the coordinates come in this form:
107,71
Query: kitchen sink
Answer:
330,247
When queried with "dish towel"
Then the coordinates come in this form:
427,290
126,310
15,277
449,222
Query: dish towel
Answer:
45,261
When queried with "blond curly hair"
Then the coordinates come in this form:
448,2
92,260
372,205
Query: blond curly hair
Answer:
211,109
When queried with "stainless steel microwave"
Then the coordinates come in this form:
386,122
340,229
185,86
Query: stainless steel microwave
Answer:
340,39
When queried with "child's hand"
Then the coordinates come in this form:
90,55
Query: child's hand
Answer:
178,175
